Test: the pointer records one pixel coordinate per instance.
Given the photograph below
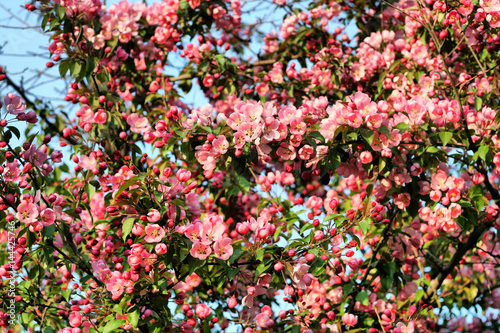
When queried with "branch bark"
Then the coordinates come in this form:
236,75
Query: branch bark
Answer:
462,249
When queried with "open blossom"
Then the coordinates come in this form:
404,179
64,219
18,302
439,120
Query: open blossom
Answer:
101,270
14,104
349,319
154,233
48,217
252,292
203,311
138,123
56,156
75,319
200,251
154,216
27,212
301,277
85,114
220,145
264,321
34,155
402,328
100,117
117,285
11,172
87,163
223,249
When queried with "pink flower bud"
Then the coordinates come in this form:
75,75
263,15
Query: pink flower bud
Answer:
137,229
231,303
310,256
160,248
183,175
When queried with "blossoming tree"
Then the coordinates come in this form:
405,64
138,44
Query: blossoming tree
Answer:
326,186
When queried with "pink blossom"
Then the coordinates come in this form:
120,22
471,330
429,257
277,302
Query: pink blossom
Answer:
121,54
366,157
200,251
223,249
203,311
27,212
264,321
160,248
48,217
57,47
56,156
183,175
85,113
154,233
87,163
11,172
138,123
349,319
75,319
100,117
220,145
14,104
402,328
154,216
34,155
301,277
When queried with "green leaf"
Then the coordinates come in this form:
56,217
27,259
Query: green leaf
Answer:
305,227
259,254
113,325
293,329
432,149
478,103
15,131
368,135
45,20
331,217
30,239
362,298
61,12
75,68
127,227
66,293
90,190
194,263
221,60
242,182
401,126
27,318
133,316
445,137
317,135
335,161
381,80
53,23
482,151
126,185
381,164
237,253
364,225
385,130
